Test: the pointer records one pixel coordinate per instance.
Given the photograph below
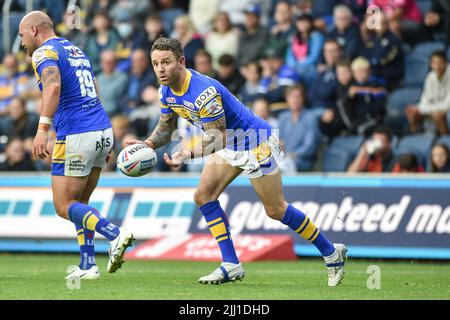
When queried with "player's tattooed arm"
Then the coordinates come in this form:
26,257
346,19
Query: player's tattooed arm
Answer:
162,133
51,89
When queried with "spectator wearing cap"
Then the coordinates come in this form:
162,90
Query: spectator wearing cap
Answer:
111,82
283,29
276,76
229,75
253,39
322,91
300,135
224,39
250,90
384,51
305,48
13,83
435,100
102,38
16,158
345,32
190,40
203,63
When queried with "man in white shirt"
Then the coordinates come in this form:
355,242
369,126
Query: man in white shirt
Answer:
435,100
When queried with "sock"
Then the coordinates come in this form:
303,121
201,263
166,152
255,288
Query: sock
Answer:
301,224
220,229
87,249
90,219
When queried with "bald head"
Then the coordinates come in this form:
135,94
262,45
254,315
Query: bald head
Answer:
34,29
38,19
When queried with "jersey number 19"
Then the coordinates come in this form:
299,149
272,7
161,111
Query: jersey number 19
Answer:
87,85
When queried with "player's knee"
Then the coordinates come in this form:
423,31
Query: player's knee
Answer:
62,208
276,212
202,196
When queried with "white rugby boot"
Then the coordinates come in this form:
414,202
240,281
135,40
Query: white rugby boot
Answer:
90,274
117,249
227,272
335,264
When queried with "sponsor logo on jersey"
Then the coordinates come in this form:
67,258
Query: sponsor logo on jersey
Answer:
74,52
188,104
205,96
171,100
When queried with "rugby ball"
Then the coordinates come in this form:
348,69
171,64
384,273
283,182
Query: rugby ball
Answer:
136,160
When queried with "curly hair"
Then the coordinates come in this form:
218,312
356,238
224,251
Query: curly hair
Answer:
170,44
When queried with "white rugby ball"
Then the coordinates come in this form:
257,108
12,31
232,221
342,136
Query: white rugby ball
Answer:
136,160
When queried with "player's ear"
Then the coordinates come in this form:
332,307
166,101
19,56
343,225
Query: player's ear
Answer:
34,30
182,61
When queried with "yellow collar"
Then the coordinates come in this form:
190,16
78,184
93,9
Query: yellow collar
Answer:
185,86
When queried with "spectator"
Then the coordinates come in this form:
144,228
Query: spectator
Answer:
440,158
190,41
404,17
250,89
261,108
121,126
202,14
137,9
103,38
375,155
305,49
345,32
322,91
435,100
77,34
384,51
368,96
142,76
13,83
341,118
322,11
283,29
130,39
438,19
111,82
16,158
407,163
222,40
228,74
358,7
153,30
299,130
21,123
253,39
276,76
203,63
169,12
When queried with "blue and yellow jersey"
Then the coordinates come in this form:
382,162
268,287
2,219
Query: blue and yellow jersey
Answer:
79,109
203,99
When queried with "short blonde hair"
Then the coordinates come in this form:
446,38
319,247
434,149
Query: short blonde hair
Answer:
360,63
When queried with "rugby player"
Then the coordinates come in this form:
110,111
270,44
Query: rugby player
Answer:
238,141
84,138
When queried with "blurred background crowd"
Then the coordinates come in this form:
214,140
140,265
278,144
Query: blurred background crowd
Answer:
352,85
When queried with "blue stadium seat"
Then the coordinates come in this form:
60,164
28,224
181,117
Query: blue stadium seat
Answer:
444,140
416,70
425,49
424,6
418,144
448,54
336,160
400,98
350,144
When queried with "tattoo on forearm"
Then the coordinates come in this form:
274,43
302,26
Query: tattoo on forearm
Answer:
50,75
163,131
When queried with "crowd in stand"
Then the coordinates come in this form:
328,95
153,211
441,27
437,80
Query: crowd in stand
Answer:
314,69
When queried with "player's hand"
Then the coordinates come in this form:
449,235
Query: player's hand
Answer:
176,160
40,149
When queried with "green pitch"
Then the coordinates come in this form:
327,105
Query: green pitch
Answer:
42,277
